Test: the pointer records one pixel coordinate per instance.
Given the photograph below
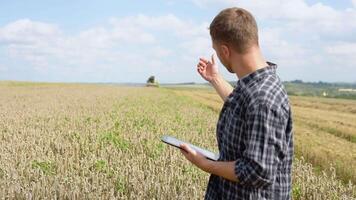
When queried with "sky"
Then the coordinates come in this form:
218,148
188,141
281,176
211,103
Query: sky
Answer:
128,41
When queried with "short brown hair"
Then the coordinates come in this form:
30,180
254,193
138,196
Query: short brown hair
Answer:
235,26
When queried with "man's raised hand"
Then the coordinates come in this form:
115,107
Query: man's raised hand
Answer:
208,69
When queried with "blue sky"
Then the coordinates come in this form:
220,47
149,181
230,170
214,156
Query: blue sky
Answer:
127,41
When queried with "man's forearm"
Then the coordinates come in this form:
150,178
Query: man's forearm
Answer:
225,169
222,87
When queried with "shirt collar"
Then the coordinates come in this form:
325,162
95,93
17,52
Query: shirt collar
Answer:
250,78
246,80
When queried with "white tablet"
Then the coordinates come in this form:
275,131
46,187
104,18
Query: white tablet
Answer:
176,143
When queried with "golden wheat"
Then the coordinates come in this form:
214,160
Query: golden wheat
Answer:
70,141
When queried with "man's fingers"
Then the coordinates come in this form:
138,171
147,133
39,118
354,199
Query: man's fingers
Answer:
202,63
207,62
183,152
213,58
186,148
204,60
200,66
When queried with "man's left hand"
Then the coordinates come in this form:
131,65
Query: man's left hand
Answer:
195,157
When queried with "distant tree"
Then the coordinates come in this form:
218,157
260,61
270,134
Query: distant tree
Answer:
151,82
297,81
151,79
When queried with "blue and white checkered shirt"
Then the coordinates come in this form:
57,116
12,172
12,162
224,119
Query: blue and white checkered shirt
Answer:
255,130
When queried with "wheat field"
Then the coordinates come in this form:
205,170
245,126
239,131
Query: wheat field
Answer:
83,141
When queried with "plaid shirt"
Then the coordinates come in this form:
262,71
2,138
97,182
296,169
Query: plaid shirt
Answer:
255,130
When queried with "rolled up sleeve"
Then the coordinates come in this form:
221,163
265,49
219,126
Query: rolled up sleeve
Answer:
265,147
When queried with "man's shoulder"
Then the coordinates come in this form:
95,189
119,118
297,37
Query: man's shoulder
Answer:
268,92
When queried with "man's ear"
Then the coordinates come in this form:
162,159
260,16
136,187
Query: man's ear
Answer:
225,50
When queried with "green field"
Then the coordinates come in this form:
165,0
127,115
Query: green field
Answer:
82,141
322,89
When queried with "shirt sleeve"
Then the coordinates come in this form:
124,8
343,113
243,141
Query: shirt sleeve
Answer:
265,146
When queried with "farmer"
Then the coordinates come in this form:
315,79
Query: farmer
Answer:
254,130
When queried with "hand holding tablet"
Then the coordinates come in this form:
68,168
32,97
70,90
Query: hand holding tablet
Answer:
176,143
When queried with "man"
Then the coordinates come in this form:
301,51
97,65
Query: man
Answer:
254,131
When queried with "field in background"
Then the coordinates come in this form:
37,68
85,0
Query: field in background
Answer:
100,141
321,89
298,88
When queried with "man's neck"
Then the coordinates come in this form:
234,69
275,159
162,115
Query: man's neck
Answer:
248,63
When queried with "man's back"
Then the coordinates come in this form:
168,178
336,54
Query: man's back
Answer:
255,129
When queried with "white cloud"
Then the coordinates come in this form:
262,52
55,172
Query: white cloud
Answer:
342,54
101,36
298,35
168,22
354,2
293,33
345,49
39,43
160,52
25,31
197,46
279,49
135,44
294,14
